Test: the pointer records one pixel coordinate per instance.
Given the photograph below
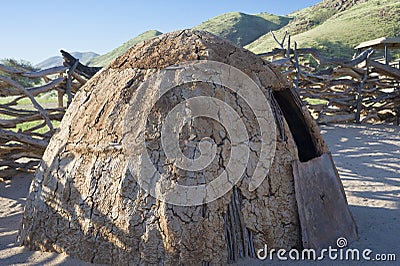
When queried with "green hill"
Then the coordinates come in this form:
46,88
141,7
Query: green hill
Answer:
337,26
238,27
242,28
105,59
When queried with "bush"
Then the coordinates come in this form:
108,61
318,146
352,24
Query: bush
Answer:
22,65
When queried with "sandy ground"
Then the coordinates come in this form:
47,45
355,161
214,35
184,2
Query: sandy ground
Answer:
368,160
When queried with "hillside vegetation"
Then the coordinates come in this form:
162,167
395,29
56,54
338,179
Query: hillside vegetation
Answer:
335,26
237,27
242,28
338,26
105,59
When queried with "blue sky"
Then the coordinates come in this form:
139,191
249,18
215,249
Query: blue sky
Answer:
36,30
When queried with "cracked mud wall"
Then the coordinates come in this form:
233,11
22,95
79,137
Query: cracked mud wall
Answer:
86,203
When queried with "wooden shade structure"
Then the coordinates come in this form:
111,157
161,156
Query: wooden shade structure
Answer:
384,43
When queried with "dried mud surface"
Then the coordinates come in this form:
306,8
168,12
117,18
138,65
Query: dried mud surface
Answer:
367,158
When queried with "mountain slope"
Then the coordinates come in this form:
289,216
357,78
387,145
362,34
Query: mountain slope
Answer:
58,60
335,26
105,59
237,27
242,28
338,26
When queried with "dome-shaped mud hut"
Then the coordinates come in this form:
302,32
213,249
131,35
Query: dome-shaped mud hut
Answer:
186,149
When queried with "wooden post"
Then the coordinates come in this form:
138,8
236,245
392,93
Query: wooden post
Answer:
386,54
69,81
359,93
288,48
281,44
60,96
296,60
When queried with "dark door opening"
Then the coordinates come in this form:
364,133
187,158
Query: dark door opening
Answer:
298,126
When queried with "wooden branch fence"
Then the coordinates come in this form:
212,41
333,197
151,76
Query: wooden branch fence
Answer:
360,90
26,128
